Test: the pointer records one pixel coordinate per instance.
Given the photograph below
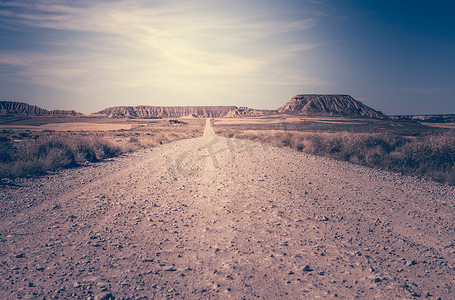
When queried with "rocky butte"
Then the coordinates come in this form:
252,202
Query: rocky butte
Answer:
333,105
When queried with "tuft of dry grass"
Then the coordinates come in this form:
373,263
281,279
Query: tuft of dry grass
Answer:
27,152
430,155
35,157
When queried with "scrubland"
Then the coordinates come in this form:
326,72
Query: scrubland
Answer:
404,147
31,150
214,218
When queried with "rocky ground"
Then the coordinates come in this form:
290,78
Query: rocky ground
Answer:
212,217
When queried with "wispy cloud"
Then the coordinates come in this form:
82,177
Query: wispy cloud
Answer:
131,44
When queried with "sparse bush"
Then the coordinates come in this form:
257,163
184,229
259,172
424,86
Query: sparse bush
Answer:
133,140
107,150
34,157
38,152
85,152
7,151
431,155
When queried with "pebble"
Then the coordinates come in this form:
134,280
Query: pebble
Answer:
170,269
307,268
104,296
411,262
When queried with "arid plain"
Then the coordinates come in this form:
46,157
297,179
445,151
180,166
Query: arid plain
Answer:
219,217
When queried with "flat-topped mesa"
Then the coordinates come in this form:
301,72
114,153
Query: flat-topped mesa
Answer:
24,109
149,112
333,105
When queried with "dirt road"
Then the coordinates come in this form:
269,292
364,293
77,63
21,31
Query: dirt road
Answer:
222,218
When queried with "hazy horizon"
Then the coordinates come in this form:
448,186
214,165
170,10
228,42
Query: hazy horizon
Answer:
397,58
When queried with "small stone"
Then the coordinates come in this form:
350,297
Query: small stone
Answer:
307,268
20,255
104,296
76,285
411,262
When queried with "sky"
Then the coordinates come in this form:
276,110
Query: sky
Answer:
394,56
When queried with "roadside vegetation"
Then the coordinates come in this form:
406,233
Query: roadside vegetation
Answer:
424,153
29,152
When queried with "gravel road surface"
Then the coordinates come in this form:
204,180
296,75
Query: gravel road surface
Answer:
222,218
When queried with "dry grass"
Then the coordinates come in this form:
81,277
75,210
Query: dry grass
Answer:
429,154
33,157
35,152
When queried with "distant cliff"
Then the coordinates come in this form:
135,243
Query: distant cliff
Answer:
148,112
24,109
334,105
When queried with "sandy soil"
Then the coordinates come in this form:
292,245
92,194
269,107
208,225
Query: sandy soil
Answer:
212,217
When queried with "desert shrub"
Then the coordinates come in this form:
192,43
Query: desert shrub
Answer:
49,150
34,157
431,155
286,140
85,152
107,149
58,149
7,151
134,140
